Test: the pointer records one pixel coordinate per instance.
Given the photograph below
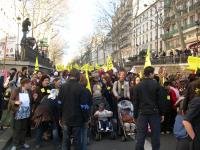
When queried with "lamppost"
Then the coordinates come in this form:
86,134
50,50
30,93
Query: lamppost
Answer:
198,24
157,26
17,52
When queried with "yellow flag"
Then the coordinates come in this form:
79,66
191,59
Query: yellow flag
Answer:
91,68
140,74
36,64
88,81
76,66
86,69
109,63
148,59
97,67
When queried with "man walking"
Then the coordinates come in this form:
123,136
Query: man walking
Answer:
75,110
148,110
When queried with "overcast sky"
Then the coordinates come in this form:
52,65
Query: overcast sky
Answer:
81,23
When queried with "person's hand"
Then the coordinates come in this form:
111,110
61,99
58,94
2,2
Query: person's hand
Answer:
118,97
134,120
162,119
17,103
86,124
193,137
61,123
35,96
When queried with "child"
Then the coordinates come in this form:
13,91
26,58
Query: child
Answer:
128,120
102,114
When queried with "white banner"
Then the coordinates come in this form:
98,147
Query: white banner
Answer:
10,48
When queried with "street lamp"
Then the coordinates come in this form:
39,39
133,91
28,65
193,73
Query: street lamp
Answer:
198,24
17,52
157,28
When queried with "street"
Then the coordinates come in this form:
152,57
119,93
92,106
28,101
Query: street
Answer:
167,143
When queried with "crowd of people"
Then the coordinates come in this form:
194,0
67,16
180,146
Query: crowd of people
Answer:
60,107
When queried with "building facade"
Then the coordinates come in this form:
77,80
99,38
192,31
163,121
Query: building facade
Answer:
121,31
187,12
147,29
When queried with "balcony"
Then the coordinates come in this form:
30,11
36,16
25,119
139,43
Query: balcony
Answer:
194,6
189,26
169,35
167,19
161,60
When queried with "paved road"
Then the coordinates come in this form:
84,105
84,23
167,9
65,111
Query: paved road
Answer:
167,142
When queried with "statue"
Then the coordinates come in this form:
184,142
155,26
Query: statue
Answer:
25,41
25,24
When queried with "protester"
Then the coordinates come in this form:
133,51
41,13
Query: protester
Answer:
121,87
46,116
103,115
75,110
192,118
166,125
182,140
43,89
64,76
148,110
63,108
24,73
1,99
39,75
19,104
84,130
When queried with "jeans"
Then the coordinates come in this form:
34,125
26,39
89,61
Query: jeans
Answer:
84,137
55,132
104,124
19,131
142,128
68,132
40,131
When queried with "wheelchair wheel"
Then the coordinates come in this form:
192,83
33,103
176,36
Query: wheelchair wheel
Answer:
123,139
98,137
113,135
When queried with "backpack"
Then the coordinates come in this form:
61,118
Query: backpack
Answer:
179,130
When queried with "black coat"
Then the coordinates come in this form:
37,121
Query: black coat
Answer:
193,116
75,103
148,98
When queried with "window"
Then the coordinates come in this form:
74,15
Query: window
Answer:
143,28
147,25
192,19
143,39
184,22
173,27
147,38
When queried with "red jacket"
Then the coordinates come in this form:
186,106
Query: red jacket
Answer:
173,98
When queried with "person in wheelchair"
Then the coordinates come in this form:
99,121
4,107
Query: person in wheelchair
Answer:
103,116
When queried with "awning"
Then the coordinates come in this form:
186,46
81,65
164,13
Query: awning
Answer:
194,45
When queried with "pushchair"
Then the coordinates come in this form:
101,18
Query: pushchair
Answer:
126,122
95,123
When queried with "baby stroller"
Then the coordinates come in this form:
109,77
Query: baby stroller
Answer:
125,115
95,123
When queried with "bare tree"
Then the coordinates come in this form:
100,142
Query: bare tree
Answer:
56,49
44,14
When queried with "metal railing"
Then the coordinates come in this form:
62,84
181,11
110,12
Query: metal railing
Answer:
159,60
31,56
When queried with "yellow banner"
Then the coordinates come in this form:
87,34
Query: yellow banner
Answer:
194,63
148,59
